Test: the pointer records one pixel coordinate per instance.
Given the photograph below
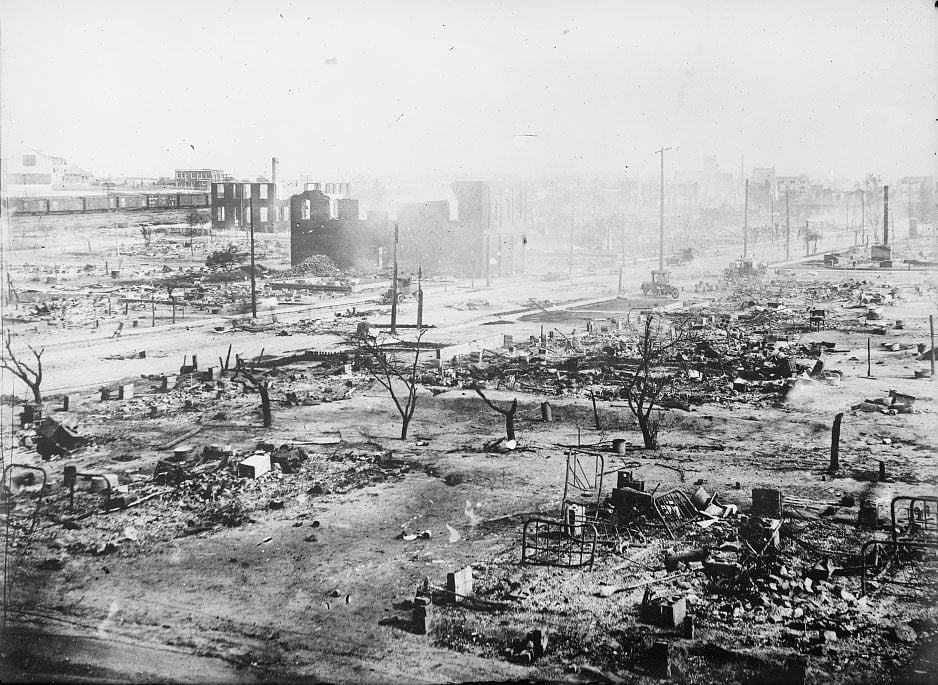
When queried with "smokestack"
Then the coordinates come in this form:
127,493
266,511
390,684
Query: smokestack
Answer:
274,163
886,216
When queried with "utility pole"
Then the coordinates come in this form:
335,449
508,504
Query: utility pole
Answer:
862,216
772,215
419,299
746,221
661,215
394,287
253,275
787,228
886,216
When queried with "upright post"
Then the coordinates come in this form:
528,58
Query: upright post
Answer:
419,299
863,216
886,216
787,228
394,287
661,216
772,212
869,357
835,444
746,220
253,276
931,327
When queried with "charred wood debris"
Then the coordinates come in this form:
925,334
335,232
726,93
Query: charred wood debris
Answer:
664,563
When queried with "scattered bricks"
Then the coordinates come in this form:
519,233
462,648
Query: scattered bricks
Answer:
767,502
422,618
459,585
125,391
254,466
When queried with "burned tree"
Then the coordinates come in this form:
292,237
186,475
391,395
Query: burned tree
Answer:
509,413
32,377
398,377
644,388
260,386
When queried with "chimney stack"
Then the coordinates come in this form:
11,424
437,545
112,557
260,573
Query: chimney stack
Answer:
886,216
274,163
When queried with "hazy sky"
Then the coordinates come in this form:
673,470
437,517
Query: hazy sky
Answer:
473,88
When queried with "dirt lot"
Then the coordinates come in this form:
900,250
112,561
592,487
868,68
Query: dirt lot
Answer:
309,572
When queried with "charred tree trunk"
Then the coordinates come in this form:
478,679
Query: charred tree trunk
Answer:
265,405
510,421
509,413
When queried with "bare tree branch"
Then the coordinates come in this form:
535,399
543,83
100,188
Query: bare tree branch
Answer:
31,377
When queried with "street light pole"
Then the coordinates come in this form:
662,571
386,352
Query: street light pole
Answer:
746,221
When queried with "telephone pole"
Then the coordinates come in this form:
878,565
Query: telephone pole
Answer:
661,214
862,217
394,287
253,277
746,221
787,228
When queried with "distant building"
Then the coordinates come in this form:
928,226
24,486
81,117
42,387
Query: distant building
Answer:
28,166
232,201
794,186
198,179
493,218
77,176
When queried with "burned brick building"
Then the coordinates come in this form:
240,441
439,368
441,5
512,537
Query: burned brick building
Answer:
348,240
233,203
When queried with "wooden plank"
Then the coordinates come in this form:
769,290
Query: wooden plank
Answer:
184,436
